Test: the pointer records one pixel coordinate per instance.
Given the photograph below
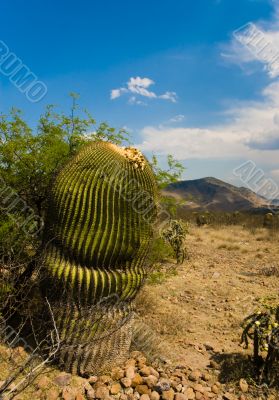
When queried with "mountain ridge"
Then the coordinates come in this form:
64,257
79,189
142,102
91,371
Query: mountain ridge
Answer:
213,194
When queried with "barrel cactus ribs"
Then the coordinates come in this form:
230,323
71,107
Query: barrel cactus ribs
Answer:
102,206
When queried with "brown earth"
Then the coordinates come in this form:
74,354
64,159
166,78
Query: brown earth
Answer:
197,311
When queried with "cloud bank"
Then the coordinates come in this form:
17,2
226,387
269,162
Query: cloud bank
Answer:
251,133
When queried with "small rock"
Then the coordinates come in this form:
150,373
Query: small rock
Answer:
90,393
102,392
244,387
168,394
208,347
52,394
130,372
68,394
206,376
184,383
199,388
144,397
154,372
117,374
180,396
62,379
198,396
143,389
214,364
135,354
92,379
190,393
128,390
163,385
115,388
151,381
137,380
43,382
123,396
130,363
79,396
141,360
37,395
126,382
229,396
195,375
155,396
145,371
215,389
179,387
174,381
104,379
79,383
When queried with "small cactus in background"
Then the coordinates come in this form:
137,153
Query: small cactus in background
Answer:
262,327
201,220
268,220
175,235
102,206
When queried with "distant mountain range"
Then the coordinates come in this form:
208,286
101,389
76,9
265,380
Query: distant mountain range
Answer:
215,195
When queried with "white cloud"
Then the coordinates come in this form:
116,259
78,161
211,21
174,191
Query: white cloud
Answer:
169,96
177,118
133,100
115,93
250,123
140,87
256,43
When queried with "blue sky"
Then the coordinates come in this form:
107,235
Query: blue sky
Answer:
170,71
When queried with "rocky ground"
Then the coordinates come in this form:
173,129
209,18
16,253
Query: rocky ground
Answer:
188,327
135,380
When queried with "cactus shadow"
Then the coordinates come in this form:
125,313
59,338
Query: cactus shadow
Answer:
234,366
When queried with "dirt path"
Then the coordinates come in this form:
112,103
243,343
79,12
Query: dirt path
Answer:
197,313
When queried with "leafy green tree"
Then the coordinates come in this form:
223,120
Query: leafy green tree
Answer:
28,158
172,174
165,177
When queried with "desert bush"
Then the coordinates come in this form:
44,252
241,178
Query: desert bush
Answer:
159,251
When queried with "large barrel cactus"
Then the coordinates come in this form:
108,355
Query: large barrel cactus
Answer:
102,206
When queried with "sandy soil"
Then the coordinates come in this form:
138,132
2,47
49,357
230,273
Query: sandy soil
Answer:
197,311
